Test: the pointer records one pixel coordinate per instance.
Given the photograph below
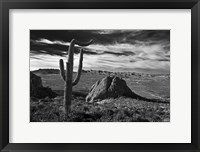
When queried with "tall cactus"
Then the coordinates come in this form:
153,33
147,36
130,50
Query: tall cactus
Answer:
68,74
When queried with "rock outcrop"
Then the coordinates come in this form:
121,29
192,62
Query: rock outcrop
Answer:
37,90
109,87
35,82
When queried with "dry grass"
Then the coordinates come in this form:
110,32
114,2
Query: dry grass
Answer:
110,110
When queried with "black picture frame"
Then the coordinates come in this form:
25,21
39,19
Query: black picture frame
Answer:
5,5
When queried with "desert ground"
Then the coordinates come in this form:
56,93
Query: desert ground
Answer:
121,109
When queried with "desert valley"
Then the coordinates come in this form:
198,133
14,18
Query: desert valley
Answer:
151,105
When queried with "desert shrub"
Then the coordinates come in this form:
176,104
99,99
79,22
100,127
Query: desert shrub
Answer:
128,113
140,119
108,112
116,111
33,109
80,117
156,118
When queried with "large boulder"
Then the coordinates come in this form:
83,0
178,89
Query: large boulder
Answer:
35,81
37,90
109,87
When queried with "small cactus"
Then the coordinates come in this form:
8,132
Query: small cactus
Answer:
68,74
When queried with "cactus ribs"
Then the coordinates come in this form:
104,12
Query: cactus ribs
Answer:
68,74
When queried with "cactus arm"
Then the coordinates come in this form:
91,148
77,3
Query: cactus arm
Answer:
62,71
71,48
78,75
82,43
71,51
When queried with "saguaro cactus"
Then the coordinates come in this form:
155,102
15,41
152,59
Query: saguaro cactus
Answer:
68,74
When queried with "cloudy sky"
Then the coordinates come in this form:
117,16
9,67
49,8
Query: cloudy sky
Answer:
144,51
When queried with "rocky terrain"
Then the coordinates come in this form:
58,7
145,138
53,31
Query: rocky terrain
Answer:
102,96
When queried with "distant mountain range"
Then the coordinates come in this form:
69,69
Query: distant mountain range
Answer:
124,74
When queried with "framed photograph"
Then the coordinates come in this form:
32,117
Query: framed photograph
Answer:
99,75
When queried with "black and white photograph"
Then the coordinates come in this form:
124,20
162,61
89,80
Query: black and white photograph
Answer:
103,75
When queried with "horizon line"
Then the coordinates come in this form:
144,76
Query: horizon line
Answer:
106,71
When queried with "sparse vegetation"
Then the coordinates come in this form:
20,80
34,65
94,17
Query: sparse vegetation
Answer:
113,110
122,109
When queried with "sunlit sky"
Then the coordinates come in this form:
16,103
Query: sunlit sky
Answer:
143,51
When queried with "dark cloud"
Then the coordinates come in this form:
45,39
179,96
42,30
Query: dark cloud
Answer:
61,49
149,37
163,60
52,49
103,37
89,52
52,35
167,55
126,53
132,61
152,35
166,47
68,35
